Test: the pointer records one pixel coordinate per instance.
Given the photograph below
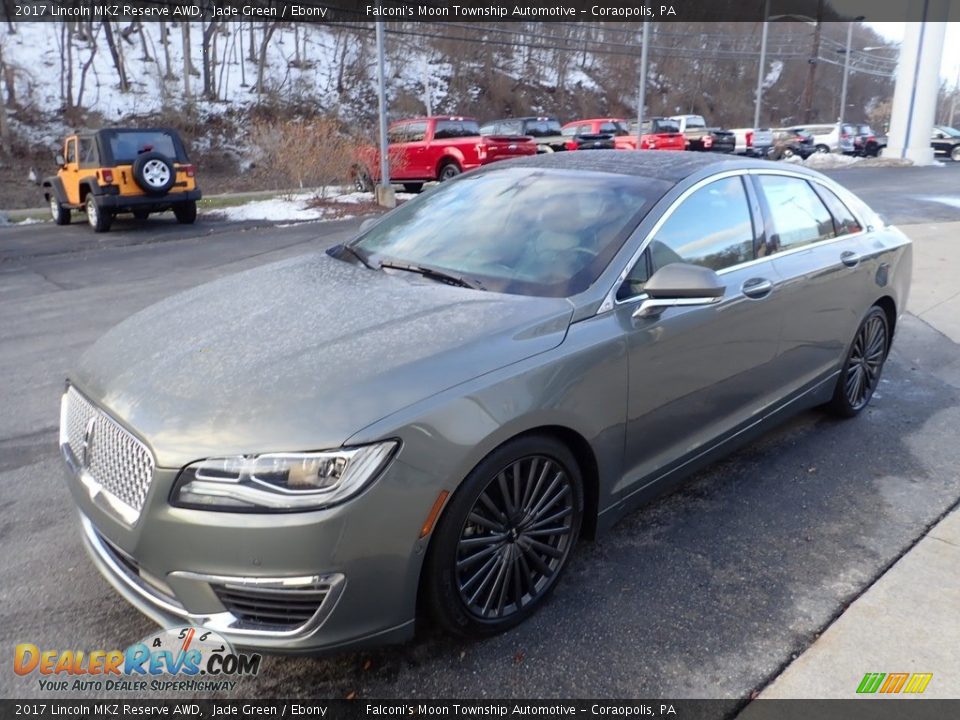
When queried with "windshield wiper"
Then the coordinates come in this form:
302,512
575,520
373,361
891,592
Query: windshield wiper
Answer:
362,257
434,274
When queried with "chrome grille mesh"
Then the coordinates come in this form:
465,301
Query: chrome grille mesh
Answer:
117,461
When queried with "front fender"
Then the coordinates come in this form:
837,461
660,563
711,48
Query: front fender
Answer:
53,185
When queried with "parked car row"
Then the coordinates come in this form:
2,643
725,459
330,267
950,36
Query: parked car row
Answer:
438,148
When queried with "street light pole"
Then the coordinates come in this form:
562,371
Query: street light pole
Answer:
846,72
761,72
642,91
384,191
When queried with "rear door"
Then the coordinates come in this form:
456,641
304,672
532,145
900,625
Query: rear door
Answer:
818,258
697,374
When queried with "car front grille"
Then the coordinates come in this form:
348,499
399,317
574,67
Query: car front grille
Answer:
106,452
274,608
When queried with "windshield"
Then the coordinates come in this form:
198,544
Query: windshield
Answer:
125,146
526,231
541,128
949,131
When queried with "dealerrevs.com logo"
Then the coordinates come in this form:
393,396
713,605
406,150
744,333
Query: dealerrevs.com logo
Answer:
179,659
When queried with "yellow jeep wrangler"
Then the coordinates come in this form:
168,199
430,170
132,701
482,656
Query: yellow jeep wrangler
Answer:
121,170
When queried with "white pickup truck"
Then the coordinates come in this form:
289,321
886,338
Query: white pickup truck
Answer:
756,142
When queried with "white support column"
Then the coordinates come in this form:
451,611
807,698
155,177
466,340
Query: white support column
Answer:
918,83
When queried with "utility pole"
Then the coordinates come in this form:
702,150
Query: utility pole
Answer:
812,70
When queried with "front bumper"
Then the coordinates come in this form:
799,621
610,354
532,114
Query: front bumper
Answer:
342,577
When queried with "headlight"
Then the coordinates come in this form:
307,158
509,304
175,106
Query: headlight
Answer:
280,482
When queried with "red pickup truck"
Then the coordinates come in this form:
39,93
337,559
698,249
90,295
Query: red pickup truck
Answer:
654,137
437,148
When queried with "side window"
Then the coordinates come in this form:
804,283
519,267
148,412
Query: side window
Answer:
88,152
608,127
71,151
584,129
513,127
569,131
712,228
416,132
797,215
490,129
636,278
843,220
397,134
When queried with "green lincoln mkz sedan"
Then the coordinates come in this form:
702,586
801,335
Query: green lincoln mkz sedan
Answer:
304,455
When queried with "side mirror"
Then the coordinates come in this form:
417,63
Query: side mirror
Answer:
60,160
680,284
368,223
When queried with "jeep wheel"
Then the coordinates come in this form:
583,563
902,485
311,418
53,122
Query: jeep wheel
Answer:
61,215
186,212
99,218
154,173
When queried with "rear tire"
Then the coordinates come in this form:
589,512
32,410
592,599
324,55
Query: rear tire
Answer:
61,215
822,149
862,366
449,171
505,537
186,212
100,219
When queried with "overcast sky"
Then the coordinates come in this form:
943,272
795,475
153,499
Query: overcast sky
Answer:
951,46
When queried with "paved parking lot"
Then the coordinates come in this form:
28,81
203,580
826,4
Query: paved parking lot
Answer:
708,592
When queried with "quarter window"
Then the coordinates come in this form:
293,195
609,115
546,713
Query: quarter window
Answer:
71,151
843,220
797,215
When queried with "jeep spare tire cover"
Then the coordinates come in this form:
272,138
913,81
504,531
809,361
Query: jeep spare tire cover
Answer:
154,173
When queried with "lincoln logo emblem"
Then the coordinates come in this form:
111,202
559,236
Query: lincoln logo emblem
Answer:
86,449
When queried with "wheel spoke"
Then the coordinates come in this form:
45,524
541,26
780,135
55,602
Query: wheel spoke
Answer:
482,540
540,547
478,519
502,480
544,504
494,510
556,516
490,574
547,532
534,559
482,572
479,555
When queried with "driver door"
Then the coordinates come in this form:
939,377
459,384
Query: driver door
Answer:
701,373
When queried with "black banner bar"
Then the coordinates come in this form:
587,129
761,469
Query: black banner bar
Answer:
874,708
332,11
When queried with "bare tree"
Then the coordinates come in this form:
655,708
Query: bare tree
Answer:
4,125
165,41
209,60
268,31
117,57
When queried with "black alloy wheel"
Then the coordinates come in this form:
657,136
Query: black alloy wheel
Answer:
861,371
505,538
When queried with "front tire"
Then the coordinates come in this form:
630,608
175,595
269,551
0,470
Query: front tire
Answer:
186,212
823,149
505,538
862,366
99,218
955,154
61,215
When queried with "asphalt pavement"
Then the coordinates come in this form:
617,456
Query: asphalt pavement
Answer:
709,592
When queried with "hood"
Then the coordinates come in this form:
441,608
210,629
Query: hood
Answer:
300,355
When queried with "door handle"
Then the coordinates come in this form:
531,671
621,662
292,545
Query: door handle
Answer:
756,287
849,258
